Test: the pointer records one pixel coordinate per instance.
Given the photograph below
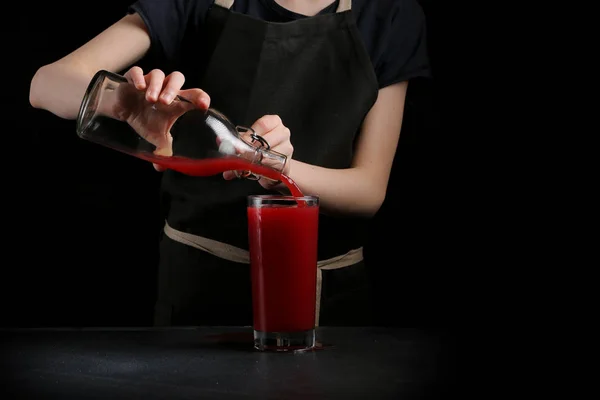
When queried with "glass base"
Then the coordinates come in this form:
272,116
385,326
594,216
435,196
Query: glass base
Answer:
284,341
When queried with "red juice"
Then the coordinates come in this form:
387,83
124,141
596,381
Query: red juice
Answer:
214,166
283,257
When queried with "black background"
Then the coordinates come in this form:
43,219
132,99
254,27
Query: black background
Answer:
81,222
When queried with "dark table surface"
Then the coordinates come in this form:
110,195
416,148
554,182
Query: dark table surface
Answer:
215,362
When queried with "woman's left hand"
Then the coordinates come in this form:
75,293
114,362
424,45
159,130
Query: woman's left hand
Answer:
272,129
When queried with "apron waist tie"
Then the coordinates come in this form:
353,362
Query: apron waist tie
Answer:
235,254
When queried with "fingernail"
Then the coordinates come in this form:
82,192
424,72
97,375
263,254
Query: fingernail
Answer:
152,94
167,97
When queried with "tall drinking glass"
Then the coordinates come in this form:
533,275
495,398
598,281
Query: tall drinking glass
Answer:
283,232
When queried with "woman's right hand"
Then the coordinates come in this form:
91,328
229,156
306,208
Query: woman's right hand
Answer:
153,118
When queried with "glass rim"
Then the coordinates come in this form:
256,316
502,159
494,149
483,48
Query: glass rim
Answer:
272,200
283,197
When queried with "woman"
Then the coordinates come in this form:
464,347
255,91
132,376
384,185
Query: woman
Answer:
323,81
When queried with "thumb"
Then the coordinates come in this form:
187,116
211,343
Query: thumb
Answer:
158,167
198,97
229,175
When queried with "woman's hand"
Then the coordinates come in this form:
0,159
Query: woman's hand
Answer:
272,129
152,119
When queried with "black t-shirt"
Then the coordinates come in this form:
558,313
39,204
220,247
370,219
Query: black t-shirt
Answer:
393,31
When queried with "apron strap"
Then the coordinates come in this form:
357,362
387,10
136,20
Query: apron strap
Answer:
224,3
344,5
235,254
218,249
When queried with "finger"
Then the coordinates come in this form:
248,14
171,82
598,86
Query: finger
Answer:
198,97
154,81
284,148
229,175
171,87
158,167
135,75
277,136
266,124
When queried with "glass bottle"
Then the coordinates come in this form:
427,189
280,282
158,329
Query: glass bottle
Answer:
179,136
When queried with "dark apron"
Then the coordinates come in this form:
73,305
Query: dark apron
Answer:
315,74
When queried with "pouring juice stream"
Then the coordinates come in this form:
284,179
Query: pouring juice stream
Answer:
208,167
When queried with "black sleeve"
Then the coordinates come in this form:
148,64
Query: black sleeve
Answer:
167,22
405,55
